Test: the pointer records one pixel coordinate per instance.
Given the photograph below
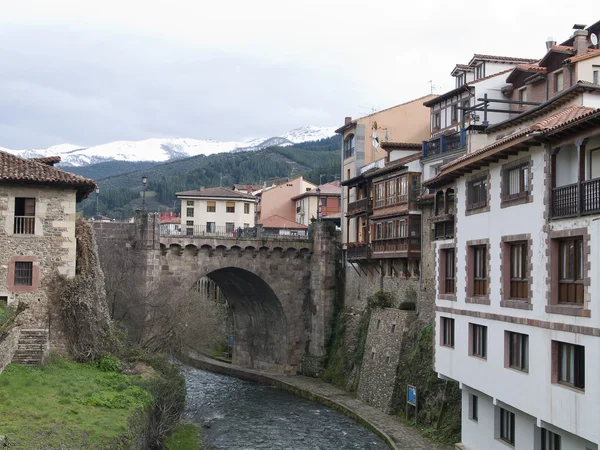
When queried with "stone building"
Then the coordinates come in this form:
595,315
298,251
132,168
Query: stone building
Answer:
37,237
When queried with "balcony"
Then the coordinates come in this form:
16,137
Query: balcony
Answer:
24,225
576,199
397,248
358,251
444,144
299,210
364,205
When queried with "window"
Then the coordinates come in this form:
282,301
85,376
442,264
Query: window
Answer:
507,426
460,80
390,268
523,95
348,174
449,266
447,332
391,192
211,206
393,330
518,351
24,216
479,71
550,440
480,278
477,193
437,121
190,203
473,407
379,195
230,207
349,148
519,284
570,282
246,208
229,227
454,113
23,273
378,231
402,228
389,230
558,81
515,181
189,223
466,104
189,231
190,212
210,227
595,78
378,323
478,340
568,364
444,230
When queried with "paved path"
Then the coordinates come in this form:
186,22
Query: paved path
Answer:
387,426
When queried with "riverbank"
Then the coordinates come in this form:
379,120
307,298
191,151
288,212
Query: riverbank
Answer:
390,429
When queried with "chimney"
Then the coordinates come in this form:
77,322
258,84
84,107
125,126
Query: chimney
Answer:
550,42
201,188
347,120
580,41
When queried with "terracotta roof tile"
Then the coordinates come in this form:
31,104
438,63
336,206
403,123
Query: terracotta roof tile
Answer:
533,67
48,160
489,76
562,48
591,53
220,192
276,221
503,58
14,169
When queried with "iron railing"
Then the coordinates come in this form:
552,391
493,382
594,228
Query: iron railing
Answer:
576,199
227,232
441,145
360,206
24,225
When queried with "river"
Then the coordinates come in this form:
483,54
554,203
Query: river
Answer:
235,414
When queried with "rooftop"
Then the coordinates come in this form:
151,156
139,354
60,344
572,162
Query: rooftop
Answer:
276,221
216,192
14,169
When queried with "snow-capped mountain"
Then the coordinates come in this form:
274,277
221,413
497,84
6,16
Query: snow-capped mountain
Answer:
165,149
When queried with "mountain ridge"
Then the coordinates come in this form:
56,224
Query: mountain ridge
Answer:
167,149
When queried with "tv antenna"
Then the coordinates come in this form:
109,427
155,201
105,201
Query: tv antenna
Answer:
594,39
432,86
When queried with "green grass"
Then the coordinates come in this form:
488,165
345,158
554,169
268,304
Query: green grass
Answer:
67,405
5,313
184,437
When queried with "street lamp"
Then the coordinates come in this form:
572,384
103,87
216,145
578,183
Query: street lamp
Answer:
144,181
318,190
97,196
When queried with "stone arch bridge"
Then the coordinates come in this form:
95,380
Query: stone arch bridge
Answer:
281,290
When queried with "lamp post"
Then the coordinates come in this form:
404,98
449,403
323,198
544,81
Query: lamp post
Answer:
318,190
144,181
97,207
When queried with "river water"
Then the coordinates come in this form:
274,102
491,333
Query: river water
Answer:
235,414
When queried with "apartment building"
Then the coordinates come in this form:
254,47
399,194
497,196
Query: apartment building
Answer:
319,203
216,211
517,266
277,200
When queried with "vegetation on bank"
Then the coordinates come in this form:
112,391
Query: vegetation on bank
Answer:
185,436
68,405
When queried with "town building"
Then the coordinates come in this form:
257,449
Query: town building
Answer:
170,223
517,266
277,200
319,203
247,188
216,211
276,225
37,237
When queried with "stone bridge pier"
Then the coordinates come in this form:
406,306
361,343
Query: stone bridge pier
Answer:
280,291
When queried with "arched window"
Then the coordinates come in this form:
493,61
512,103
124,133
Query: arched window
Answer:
349,146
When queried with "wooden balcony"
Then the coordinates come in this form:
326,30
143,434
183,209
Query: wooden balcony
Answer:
397,248
576,199
24,225
358,251
364,205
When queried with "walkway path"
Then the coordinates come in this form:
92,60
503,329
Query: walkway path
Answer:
389,428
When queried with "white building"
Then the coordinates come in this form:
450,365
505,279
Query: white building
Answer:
216,211
518,285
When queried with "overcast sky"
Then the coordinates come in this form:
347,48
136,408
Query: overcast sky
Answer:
88,72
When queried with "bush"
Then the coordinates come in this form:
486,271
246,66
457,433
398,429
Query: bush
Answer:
380,299
108,363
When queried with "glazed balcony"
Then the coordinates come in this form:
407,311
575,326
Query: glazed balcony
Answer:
358,251
397,248
444,144
364,205
576,199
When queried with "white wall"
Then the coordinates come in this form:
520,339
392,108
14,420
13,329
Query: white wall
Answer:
533,393
220,217
566,165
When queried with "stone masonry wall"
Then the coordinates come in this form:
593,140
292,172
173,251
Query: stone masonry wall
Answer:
384,352
51,249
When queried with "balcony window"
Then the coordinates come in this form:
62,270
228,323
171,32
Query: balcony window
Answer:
211,206
480,275
480,71
477,192
437,121
447,334
23,273
460,80
391,192
190,212
568,364
518,351
402,228
210,227
229,227
448,271
349,147
478,338
519,283
24,216
230,207
389,230
571,268
516,182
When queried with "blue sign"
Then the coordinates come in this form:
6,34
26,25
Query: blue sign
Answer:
231,341
412,395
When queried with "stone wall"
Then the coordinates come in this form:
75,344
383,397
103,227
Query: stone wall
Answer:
8,347
51,248
384,353
426,307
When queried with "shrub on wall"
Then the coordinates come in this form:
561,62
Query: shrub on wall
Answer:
380,299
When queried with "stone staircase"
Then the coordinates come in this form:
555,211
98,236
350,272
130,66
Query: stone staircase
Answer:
32,347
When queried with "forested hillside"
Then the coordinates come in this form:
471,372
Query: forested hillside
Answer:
120,194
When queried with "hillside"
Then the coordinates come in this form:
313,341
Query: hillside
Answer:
120,194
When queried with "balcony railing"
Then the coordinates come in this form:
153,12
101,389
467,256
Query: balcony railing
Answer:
398,245
360,206
443,144
576,199
356,252
225,232
24,225
348,152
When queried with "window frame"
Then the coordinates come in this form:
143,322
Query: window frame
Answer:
478,341
572,374
524,178
478,184
575,271
474,407
211,206
507,425
558,75
480,270
518,283
447,331
447,286
546,437
246,208
229,208
518,351
189,212
23,275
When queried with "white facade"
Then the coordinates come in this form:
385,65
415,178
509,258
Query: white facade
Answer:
534,396
218,214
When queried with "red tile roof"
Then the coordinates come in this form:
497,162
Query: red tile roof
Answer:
534,67
276,221
219,192
14,169
502,58
333,188
49,160
591,53
464,67
489,76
